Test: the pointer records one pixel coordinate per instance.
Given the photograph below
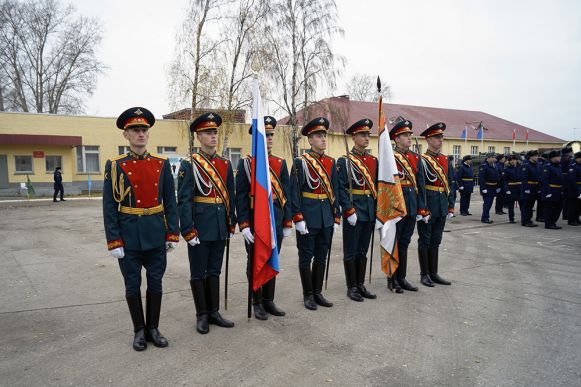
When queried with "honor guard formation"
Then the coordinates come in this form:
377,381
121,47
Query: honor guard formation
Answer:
143,219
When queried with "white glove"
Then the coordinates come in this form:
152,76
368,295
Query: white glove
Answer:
302,227
231,235
247,234
498,190
170,246
549,195
419,217
528,191
484,191
426,218
194,241
117,253
335,226
579,197
450,215
352,219
508,192
461,188
286,232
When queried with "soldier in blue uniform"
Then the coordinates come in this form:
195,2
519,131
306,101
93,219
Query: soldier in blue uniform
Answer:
530,188
465,181
568,199
263,298
206,204
500,196
574,190
411,172
440,198
552,190
489,182
543,160
511,186
141,222
357,193
315,210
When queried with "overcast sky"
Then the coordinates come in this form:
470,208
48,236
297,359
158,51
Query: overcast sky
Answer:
519,60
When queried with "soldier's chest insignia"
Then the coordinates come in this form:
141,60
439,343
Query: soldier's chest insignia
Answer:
181,174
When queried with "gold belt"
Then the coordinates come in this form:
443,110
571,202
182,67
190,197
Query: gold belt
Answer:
311,195
208,199
361,192
487,183
467,179
533,182
141,211
515,183
434,188
555,185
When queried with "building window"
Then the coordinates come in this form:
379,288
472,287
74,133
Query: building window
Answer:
88,159
417,148
234,155
23,164
506,150
52,162
456,149
167,149
474,150
491,149
123,149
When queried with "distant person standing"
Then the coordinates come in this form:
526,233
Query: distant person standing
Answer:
465,181
58,185
489,181
500,195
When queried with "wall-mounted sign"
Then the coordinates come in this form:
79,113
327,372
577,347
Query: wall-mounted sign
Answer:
38,154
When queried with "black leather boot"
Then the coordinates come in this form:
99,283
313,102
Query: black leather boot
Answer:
136,311
152,310
424,268
318,277
393,285
307,283
360,269
213,299
351,280
259,312
401,271
433,259
268,299
199,294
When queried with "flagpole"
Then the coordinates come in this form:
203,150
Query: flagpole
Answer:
514,140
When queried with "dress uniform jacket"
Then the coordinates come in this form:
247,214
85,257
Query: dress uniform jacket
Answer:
512,182
204,212
465,178
488,179
363,193
281,190
530,179
412,180
139,206
309,200
552,182
440,196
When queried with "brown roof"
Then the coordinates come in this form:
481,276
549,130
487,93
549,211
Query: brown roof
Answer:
238,116
342,112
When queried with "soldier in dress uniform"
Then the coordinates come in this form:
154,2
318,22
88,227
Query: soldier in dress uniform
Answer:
489,182
358,207
543,160
500,196
574,190
569,196
552,190
440,198
141,222
412,181
511,186
315,210
206,206
530,188
263,298
465,181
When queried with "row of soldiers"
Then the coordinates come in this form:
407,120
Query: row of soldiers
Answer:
552,181
143,220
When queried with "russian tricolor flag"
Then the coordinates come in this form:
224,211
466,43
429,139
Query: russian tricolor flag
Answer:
265,255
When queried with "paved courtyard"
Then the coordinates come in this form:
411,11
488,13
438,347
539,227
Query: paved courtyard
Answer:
511,318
